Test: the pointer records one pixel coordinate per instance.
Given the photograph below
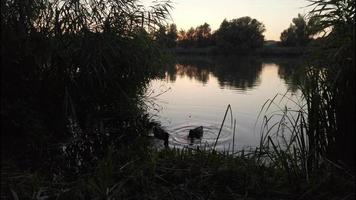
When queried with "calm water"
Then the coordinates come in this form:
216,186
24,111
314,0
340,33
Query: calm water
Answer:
195,91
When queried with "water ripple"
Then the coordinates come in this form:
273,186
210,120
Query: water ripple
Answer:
179,135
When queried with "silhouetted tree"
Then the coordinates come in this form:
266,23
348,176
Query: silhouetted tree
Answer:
167,36
203,35
161,35
172,36
181,35
190,37
300,32
240,35
289,37
196,37
181,40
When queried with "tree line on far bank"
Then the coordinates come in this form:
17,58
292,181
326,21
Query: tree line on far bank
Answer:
240,34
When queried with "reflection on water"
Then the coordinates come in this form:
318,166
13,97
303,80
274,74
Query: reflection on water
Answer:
233,73
201,88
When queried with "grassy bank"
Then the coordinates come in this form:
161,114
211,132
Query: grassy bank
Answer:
179,174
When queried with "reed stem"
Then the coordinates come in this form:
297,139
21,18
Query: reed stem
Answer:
222,124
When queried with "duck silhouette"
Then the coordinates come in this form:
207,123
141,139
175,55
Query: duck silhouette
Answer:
161,134
196,133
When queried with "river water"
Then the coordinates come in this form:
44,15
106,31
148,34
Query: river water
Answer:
195,91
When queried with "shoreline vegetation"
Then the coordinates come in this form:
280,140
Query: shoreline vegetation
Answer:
263,51
74,123
183,174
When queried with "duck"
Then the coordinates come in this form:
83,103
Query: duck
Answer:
161,134
196,133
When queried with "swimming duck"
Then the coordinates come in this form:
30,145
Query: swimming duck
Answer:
161,134
196,133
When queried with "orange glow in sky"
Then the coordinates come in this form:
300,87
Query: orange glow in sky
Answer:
276,15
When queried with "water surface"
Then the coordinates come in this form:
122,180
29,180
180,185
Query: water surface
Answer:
195,91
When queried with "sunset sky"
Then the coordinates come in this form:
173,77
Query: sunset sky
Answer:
276,15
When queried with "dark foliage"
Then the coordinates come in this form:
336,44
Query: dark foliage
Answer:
332,81
72,64
240,35
301,31
167,36
201,36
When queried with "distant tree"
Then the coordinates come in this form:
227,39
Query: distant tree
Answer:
242,35
300,32
167,36
213,38
172,36
161,35
182,38
224,26
181,35
190,37
196,37
289,37
203,35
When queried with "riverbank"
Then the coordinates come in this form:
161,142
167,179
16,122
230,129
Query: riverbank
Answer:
182,174
264,51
